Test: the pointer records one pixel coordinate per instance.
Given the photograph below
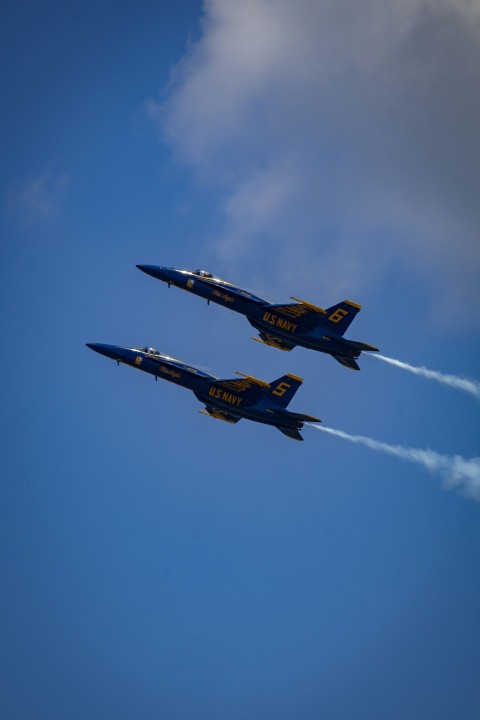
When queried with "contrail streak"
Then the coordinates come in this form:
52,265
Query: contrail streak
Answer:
472,387
457,471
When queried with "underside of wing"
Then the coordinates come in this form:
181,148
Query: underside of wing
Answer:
275,342
219,415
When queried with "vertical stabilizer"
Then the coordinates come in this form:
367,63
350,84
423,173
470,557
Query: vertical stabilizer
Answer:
282,390
338,317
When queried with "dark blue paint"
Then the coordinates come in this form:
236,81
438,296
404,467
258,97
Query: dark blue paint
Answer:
230,399
280,326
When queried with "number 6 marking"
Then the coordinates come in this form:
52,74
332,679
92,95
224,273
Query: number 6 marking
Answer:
338,315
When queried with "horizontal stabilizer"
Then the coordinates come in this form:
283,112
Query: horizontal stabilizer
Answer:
347,360
360,346
299,418
291,433
302,417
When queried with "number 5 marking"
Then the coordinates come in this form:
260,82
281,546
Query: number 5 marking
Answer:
281,389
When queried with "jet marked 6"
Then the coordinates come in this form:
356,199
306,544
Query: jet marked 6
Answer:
280,326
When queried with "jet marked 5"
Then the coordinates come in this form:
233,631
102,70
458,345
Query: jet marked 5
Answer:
258,401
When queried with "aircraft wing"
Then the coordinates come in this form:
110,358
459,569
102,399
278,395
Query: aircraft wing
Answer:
275,342
218,415
301,311
241,385
238,392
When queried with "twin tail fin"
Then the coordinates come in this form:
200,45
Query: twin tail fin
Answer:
281,391
339,317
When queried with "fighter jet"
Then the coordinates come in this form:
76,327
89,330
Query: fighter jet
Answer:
228,400
280,326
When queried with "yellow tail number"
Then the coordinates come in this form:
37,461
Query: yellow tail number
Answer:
338,315
281,389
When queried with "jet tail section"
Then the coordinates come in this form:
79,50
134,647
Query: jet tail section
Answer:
291,433
347,361
363,347
282,390
338,317
303,418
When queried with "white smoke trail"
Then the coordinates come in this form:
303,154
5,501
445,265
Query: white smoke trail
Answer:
459,472
469,386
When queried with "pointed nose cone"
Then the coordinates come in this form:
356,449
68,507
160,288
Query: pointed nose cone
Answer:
110,351
160,273
145,268
152,270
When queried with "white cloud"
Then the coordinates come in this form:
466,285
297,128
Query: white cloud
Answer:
40,196
342,137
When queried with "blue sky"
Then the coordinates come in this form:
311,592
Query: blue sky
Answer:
157,563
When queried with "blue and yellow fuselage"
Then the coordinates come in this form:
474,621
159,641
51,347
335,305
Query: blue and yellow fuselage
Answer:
281,326
230,399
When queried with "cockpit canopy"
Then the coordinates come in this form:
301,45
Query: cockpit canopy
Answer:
202,273
151,351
